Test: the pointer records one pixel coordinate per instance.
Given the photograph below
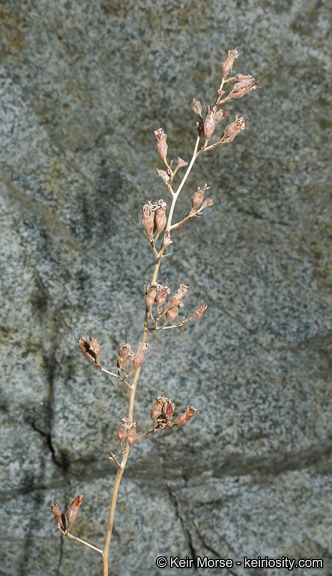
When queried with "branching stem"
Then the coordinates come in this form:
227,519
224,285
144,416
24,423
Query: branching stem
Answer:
133,387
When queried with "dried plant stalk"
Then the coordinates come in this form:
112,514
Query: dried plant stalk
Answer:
160,313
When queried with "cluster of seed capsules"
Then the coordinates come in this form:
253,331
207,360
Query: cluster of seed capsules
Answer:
157,295
162,413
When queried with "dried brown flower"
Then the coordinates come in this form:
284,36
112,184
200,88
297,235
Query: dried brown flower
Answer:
209,123
167,239
131,436
91,349
197,107
138,358
161,143
227,65
161,218
124,356
157,408
151,295
183,418
58,515
73,511
233,129
200,310
148,219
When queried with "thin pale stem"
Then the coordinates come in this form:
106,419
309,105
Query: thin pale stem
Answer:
68,535
121,469
115,376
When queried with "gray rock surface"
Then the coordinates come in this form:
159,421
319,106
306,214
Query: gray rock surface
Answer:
82,87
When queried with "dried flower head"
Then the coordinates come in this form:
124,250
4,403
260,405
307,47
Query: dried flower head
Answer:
198,197
148,219
200,310
244,86
138,358
73,511
161,143
91,349
123,429
183,418
162,295
58,515
227,65
131,436
197,107
157,408
124,356
151,295
161,218
233,129
209,123
167,239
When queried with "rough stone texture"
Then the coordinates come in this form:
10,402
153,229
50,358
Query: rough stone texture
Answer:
82,87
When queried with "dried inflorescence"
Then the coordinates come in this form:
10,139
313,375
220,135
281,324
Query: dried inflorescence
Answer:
71,514
162,310
91,349
127,430
162,413
154,217
213,114
124,356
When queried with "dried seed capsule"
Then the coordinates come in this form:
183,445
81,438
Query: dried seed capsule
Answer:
91,349
167,239
233,129
131,437
73,510
197,107
161,143
151,295
161,296
157,408
161,219
198,198
209,124
169,408
138,358
198,313
123,429
172,313
183,418
148,219
227,65
58,515
124,356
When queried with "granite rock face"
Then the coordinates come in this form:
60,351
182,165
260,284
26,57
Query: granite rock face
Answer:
83,85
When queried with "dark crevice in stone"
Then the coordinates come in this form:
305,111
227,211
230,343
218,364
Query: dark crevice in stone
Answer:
184,525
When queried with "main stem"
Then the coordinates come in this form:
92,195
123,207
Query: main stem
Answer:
121,469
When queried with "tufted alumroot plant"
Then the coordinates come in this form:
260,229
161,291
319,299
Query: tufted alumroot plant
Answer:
161,308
